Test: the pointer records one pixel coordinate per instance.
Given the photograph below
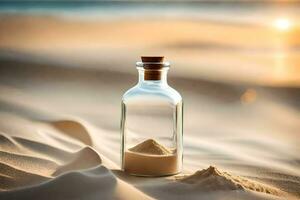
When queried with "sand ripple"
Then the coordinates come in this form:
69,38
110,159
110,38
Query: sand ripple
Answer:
25,162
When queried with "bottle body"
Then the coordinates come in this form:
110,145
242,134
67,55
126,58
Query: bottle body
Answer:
152,128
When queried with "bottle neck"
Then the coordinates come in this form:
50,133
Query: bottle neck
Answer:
155,77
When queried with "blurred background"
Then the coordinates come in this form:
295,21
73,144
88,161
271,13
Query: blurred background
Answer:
236,63
245,41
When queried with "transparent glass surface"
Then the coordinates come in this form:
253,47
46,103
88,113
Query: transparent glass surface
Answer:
152,110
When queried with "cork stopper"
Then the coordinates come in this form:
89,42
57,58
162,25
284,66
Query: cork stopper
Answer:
155,59
152,62
152,66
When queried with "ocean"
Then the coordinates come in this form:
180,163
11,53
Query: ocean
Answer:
247,12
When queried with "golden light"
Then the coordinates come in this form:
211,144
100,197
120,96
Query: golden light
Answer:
282,24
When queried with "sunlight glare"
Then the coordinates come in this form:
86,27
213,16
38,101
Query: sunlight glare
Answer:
282,24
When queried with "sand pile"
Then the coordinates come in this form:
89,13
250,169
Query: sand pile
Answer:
212,179
149,158
150,146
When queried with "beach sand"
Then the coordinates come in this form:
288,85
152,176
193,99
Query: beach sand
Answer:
60,113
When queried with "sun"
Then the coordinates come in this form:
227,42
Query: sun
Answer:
282,24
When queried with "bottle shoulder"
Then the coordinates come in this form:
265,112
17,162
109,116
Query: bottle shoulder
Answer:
162,93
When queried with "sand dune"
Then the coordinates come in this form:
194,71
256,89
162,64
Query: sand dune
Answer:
35,158
94,183
74,129
30,169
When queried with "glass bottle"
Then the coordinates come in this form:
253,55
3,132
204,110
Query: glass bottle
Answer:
152,123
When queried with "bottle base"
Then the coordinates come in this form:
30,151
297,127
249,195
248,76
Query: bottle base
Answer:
151,175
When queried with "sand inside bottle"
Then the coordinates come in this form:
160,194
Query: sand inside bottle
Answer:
149,158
